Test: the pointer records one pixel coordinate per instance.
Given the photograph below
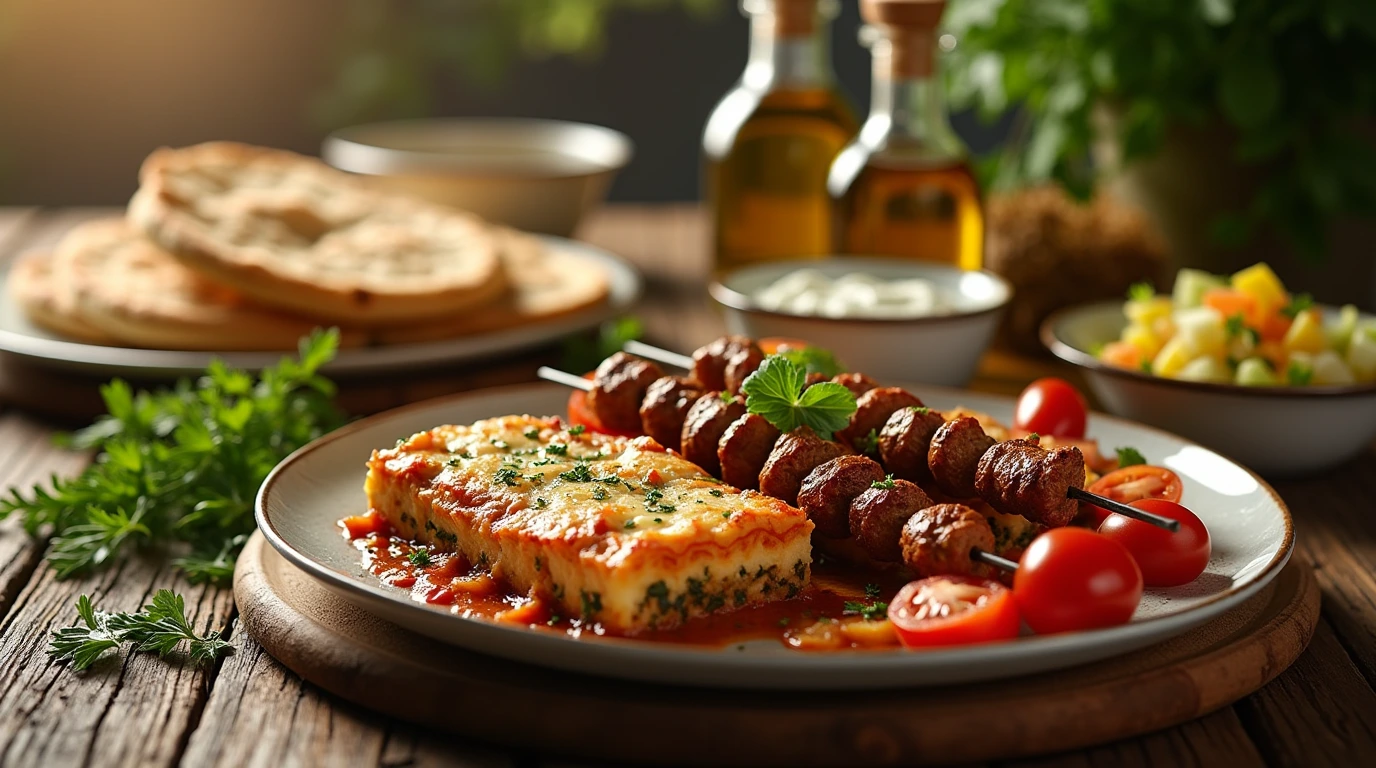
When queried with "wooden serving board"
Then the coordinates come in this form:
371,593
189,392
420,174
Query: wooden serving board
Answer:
383,667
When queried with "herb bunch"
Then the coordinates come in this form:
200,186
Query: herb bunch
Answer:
160,627
181,467
1292,81
776,392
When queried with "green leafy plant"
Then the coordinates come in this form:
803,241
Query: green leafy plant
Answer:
159,628
181,467
776,392
1293,81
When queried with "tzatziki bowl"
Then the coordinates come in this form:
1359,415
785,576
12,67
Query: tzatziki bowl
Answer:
893,319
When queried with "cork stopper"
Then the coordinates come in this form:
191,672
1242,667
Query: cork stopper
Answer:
795,18
909,26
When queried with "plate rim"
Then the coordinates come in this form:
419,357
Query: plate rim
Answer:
104,359
693,655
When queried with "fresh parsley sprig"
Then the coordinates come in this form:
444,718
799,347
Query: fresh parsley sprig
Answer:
1130,457
159,628
775,391
181,466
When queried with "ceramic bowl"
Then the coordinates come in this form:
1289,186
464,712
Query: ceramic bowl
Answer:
1277,431
536,175
939,349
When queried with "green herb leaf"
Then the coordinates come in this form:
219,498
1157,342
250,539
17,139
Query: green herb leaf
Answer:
869,611
887,483
1298,373
1298,304
160,628
1143,291
813,360
181,466
868,445
1130,457
419,557
775,392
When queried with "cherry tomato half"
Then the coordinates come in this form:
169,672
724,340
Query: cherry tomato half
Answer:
1072,579
581,415
953,610
1051,407
1141,481
1166,559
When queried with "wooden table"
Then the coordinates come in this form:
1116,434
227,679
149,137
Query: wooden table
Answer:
249,710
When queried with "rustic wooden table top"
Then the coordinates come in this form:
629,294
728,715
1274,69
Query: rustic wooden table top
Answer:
249,710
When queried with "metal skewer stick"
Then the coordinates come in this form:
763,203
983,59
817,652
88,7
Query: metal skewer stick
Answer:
989,558
659,355
567,379
1101,502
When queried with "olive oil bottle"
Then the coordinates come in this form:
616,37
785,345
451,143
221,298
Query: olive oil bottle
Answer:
769,143
903,186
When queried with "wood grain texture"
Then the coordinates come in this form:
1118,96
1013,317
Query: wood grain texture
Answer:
376,664
1316,712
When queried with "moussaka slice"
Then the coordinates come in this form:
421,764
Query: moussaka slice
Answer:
614,530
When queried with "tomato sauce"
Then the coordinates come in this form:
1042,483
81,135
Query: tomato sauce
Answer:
842,607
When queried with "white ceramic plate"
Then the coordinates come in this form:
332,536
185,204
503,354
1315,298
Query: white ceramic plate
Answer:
306,495
22,337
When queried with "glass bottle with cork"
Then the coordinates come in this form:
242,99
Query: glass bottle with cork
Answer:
769,143
903,186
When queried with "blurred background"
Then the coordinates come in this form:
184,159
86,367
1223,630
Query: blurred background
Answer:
1244,129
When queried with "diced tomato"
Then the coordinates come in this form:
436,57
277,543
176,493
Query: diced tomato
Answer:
1229,302
361,526
953,610
1123,355
1274,326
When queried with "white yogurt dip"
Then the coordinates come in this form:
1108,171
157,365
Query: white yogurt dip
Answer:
810,292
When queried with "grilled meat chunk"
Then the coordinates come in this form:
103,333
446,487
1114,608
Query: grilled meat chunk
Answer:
858,383
828,490
873,409
744,448
703,425
954,456
741,365
618,388
1018,477
904,440
665,405
877,517
795,455
711,360
937,541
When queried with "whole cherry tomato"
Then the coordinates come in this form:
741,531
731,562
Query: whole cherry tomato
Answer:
1141,481
1051,407
1072,578
1167,559
953,610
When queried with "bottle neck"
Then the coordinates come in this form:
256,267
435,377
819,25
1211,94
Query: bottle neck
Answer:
907,104
787,52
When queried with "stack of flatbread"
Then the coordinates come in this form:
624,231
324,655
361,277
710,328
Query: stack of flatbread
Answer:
232,247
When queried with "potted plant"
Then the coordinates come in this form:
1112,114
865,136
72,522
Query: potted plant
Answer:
1244,129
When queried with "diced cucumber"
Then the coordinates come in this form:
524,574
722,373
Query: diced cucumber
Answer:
1361,353
1255,372
1191,284
1205,369
1340,331
1329,369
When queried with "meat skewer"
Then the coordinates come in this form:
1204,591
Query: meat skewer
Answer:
1010,487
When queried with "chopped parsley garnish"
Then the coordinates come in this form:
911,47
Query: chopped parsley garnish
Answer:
1235,326
1297,305
886,483
871,591
579,474
630,524
533,433
1130,457
726,515
1298,373
813,360
870,611
726,397
920,410
667,508
557,449
715,492
1034,438
599,493
507,476
419,557
502,444
592,602
659,519
775,392
1143,291
653,495
1145,365
577,429
868,444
